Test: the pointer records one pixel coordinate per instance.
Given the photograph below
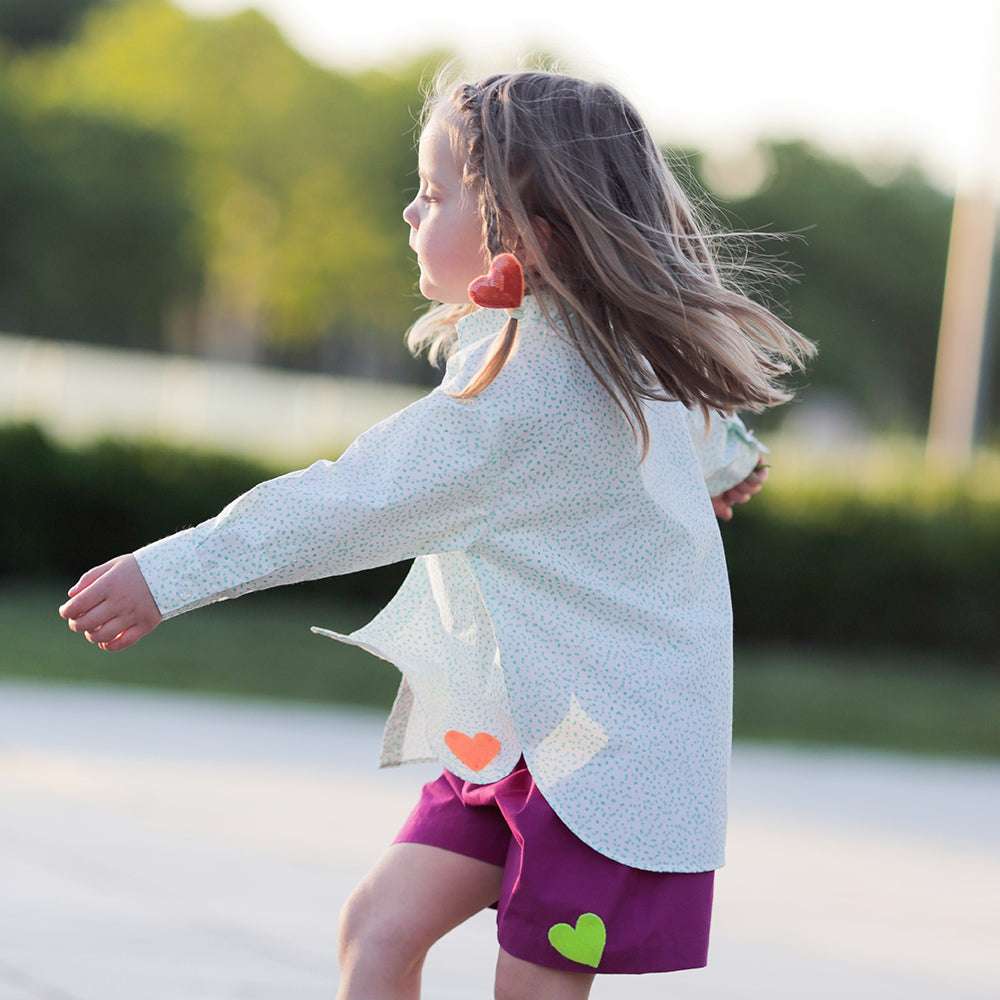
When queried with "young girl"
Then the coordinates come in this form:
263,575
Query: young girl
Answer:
564,635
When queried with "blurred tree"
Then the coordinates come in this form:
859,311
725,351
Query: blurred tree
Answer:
28,23
298,173
95,241
868,260
296,177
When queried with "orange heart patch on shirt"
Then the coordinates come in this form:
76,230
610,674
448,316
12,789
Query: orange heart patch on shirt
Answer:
475,752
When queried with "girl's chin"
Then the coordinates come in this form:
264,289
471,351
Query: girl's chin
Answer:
435,294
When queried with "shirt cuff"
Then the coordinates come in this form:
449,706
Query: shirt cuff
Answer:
730,455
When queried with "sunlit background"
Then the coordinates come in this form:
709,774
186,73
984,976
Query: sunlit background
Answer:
877,80
204,279
201,249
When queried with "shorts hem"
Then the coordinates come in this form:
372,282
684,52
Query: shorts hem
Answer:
632,962
444,844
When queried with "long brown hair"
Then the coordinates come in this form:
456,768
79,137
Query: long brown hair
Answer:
569,179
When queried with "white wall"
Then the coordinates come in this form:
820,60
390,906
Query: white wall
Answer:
80,392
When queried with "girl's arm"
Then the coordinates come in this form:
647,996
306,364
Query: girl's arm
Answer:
730,458
421,481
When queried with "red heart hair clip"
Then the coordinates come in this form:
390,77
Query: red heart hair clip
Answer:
502,287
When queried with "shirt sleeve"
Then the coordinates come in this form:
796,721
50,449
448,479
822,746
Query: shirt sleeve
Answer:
419,482
727,451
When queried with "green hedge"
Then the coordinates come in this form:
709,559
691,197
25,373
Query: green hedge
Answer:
851,568
808,564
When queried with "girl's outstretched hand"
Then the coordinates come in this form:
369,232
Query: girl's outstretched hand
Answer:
112,605
740,493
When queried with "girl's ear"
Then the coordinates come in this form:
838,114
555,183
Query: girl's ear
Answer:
542,230
543,233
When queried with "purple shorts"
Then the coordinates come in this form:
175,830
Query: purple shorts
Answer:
562,905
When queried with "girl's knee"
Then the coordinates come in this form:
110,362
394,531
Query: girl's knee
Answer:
374,935
520,980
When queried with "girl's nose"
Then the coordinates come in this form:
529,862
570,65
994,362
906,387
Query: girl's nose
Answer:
410,214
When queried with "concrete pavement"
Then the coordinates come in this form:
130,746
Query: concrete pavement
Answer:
166,847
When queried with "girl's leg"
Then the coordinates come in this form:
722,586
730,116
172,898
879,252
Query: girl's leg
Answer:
520,980
412,897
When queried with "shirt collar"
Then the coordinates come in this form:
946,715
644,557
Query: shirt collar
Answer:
489,322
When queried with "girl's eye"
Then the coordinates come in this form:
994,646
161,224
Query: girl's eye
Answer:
428,193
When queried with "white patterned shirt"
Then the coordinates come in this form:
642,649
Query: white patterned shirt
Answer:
568,601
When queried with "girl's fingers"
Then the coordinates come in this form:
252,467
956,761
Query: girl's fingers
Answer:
104,631
723,510
127,636
119,633
73,608
84,601
90,576
739,494
104,635
124,639
87,613
100,624
106,623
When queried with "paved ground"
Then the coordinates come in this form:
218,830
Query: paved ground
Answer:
159,847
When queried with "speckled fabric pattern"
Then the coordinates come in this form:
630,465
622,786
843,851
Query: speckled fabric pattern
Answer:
568,601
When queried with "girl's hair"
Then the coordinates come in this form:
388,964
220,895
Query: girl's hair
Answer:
569,180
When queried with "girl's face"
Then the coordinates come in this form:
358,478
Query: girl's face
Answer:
446,230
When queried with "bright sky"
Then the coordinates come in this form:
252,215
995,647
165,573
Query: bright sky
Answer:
892,79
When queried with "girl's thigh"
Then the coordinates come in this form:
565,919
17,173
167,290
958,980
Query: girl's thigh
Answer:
414,895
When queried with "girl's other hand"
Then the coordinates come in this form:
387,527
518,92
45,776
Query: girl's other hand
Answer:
740,493
112,605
